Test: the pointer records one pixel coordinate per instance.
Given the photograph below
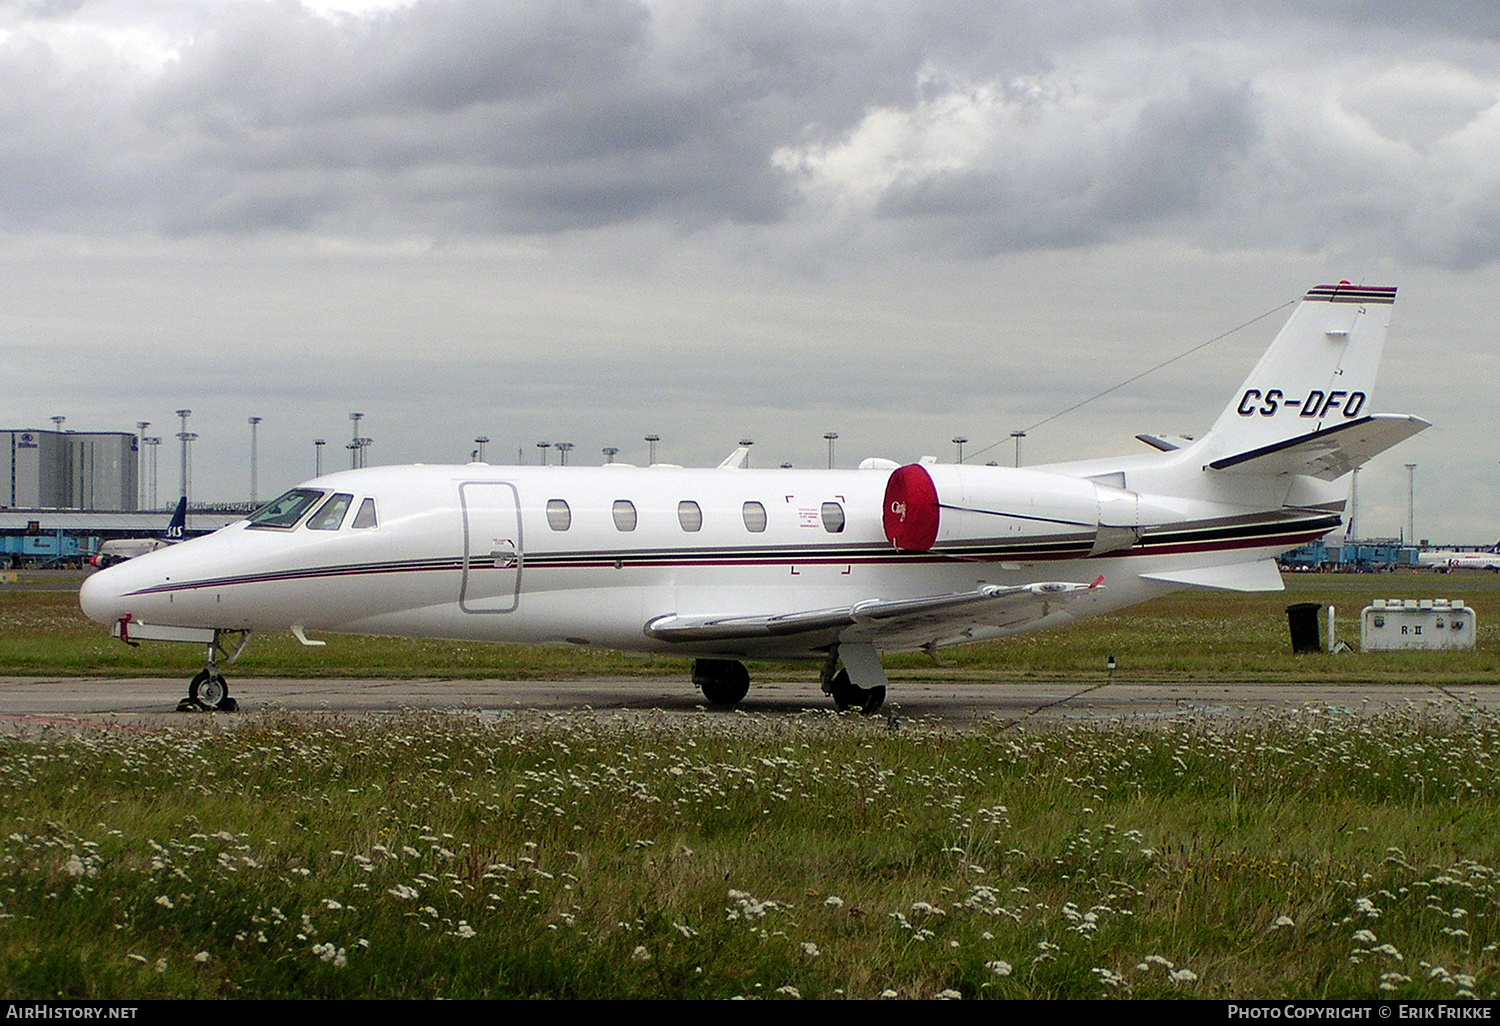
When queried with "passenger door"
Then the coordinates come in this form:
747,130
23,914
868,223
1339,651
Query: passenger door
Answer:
493,553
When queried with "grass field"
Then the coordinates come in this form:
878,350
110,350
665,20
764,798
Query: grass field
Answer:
1189,635
581,855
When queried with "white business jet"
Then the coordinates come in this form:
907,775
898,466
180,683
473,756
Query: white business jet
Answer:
836,567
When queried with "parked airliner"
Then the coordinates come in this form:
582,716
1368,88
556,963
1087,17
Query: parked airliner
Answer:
1448,560
118,550
837,567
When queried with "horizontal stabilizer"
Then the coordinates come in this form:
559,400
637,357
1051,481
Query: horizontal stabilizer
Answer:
1166,443
1261,575
1328,454
878,615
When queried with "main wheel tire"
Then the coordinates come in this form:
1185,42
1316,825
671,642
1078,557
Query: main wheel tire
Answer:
722,681
208,689
847,695
843,691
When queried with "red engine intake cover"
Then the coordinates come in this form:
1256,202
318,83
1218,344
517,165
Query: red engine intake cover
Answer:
911,513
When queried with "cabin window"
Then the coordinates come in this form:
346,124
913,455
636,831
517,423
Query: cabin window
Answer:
624,515
285,511
559,516
690,515
330,516
365,518
833,518
755,517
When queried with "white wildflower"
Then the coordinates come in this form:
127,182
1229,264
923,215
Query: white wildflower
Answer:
1282,922
999,967
640,954
789,991
1183,976
834,901
202,956
330,954
1364,937
403,892
810,949
888,995
948,995
164,901
464,930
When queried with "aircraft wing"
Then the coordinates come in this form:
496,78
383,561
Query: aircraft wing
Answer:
1329,454
883,621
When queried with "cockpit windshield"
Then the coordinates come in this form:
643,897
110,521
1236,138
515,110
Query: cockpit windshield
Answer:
285,511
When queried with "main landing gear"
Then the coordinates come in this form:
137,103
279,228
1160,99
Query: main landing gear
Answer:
859,683
209,690
722,681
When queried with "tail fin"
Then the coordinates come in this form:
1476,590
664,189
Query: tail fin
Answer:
178,523
1318,376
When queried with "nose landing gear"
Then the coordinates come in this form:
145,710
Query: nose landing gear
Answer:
209,690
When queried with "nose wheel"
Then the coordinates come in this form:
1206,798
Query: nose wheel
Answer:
209,691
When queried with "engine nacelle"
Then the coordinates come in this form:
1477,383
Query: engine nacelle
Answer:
951,506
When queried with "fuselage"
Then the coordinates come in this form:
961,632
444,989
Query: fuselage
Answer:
590,556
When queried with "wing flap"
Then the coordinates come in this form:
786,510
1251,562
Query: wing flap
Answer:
1328,454
876,616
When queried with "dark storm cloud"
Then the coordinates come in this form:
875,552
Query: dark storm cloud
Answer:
1164,165
982,128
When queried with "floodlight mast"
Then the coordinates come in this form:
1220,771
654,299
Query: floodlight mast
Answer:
355,449
959,441
140,428
254,460
1411,503
832,436
182,436
154,442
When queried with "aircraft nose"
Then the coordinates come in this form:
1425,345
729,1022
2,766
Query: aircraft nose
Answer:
100,596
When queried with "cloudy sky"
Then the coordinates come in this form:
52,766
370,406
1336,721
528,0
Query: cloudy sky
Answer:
590,221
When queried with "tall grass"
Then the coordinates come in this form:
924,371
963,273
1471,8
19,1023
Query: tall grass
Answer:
579,855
